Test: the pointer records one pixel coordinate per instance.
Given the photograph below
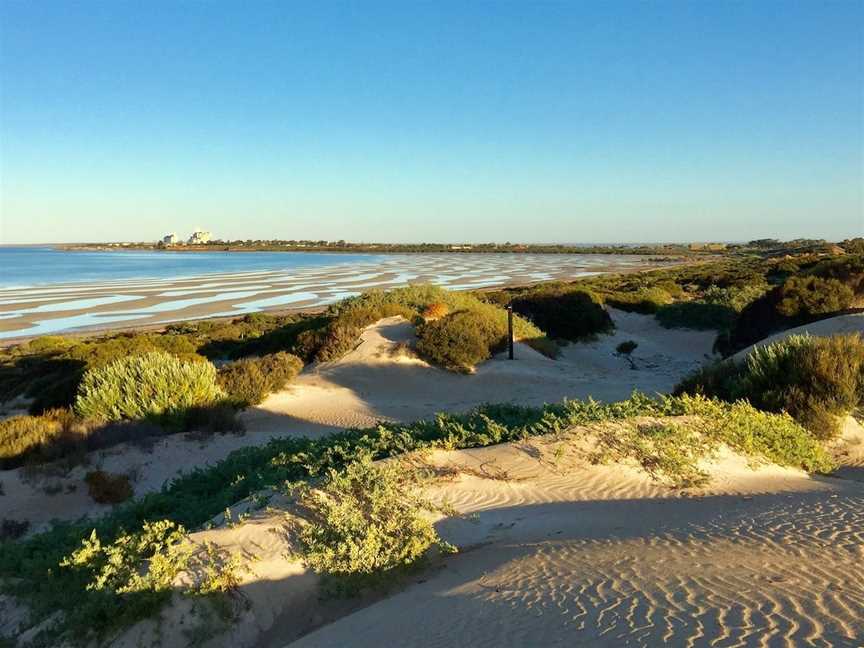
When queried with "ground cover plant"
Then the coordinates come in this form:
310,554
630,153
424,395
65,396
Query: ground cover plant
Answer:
362,525
817,380
30,568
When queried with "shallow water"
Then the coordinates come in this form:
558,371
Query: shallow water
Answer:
68,290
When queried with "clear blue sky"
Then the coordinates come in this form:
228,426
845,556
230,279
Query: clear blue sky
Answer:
444,121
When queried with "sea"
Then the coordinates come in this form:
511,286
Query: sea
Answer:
47,290
27,266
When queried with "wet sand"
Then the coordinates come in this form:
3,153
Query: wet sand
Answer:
28,311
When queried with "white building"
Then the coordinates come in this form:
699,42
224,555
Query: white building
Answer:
199,237
169,239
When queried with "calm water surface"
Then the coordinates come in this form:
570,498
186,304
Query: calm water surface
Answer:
29,266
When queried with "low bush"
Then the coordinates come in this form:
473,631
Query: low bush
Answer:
250,380
816,380
736,297
41,437
155,385
646,301
129,577
108,488
362,524
627,347
564,314
668,451
20,435
696,315
810,296
460,341
243,382
340,335
799,300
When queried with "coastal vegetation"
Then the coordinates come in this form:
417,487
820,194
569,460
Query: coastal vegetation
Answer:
743,298
155,385
361,526
88,577
817,380
249,381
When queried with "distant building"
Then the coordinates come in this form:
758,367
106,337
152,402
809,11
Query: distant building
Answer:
169,239
199,237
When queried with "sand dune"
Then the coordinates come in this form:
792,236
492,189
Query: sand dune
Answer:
375,382
555,551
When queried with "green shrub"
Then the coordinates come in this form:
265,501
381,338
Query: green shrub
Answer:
645,300
354,314
569,315
340,335
22,434
695,315
117,567
30,437
815,379
108,488
801,299
243,382
250,380
808,296
154,385
736,297
460,340
362,524
667,451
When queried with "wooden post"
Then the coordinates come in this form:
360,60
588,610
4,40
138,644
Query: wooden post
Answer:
510,331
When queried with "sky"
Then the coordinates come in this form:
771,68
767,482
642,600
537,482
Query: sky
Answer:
445,121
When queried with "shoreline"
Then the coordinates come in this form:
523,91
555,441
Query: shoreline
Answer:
82,308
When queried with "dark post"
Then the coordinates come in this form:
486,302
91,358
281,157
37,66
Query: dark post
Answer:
510,331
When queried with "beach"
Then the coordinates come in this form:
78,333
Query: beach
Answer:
103,303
